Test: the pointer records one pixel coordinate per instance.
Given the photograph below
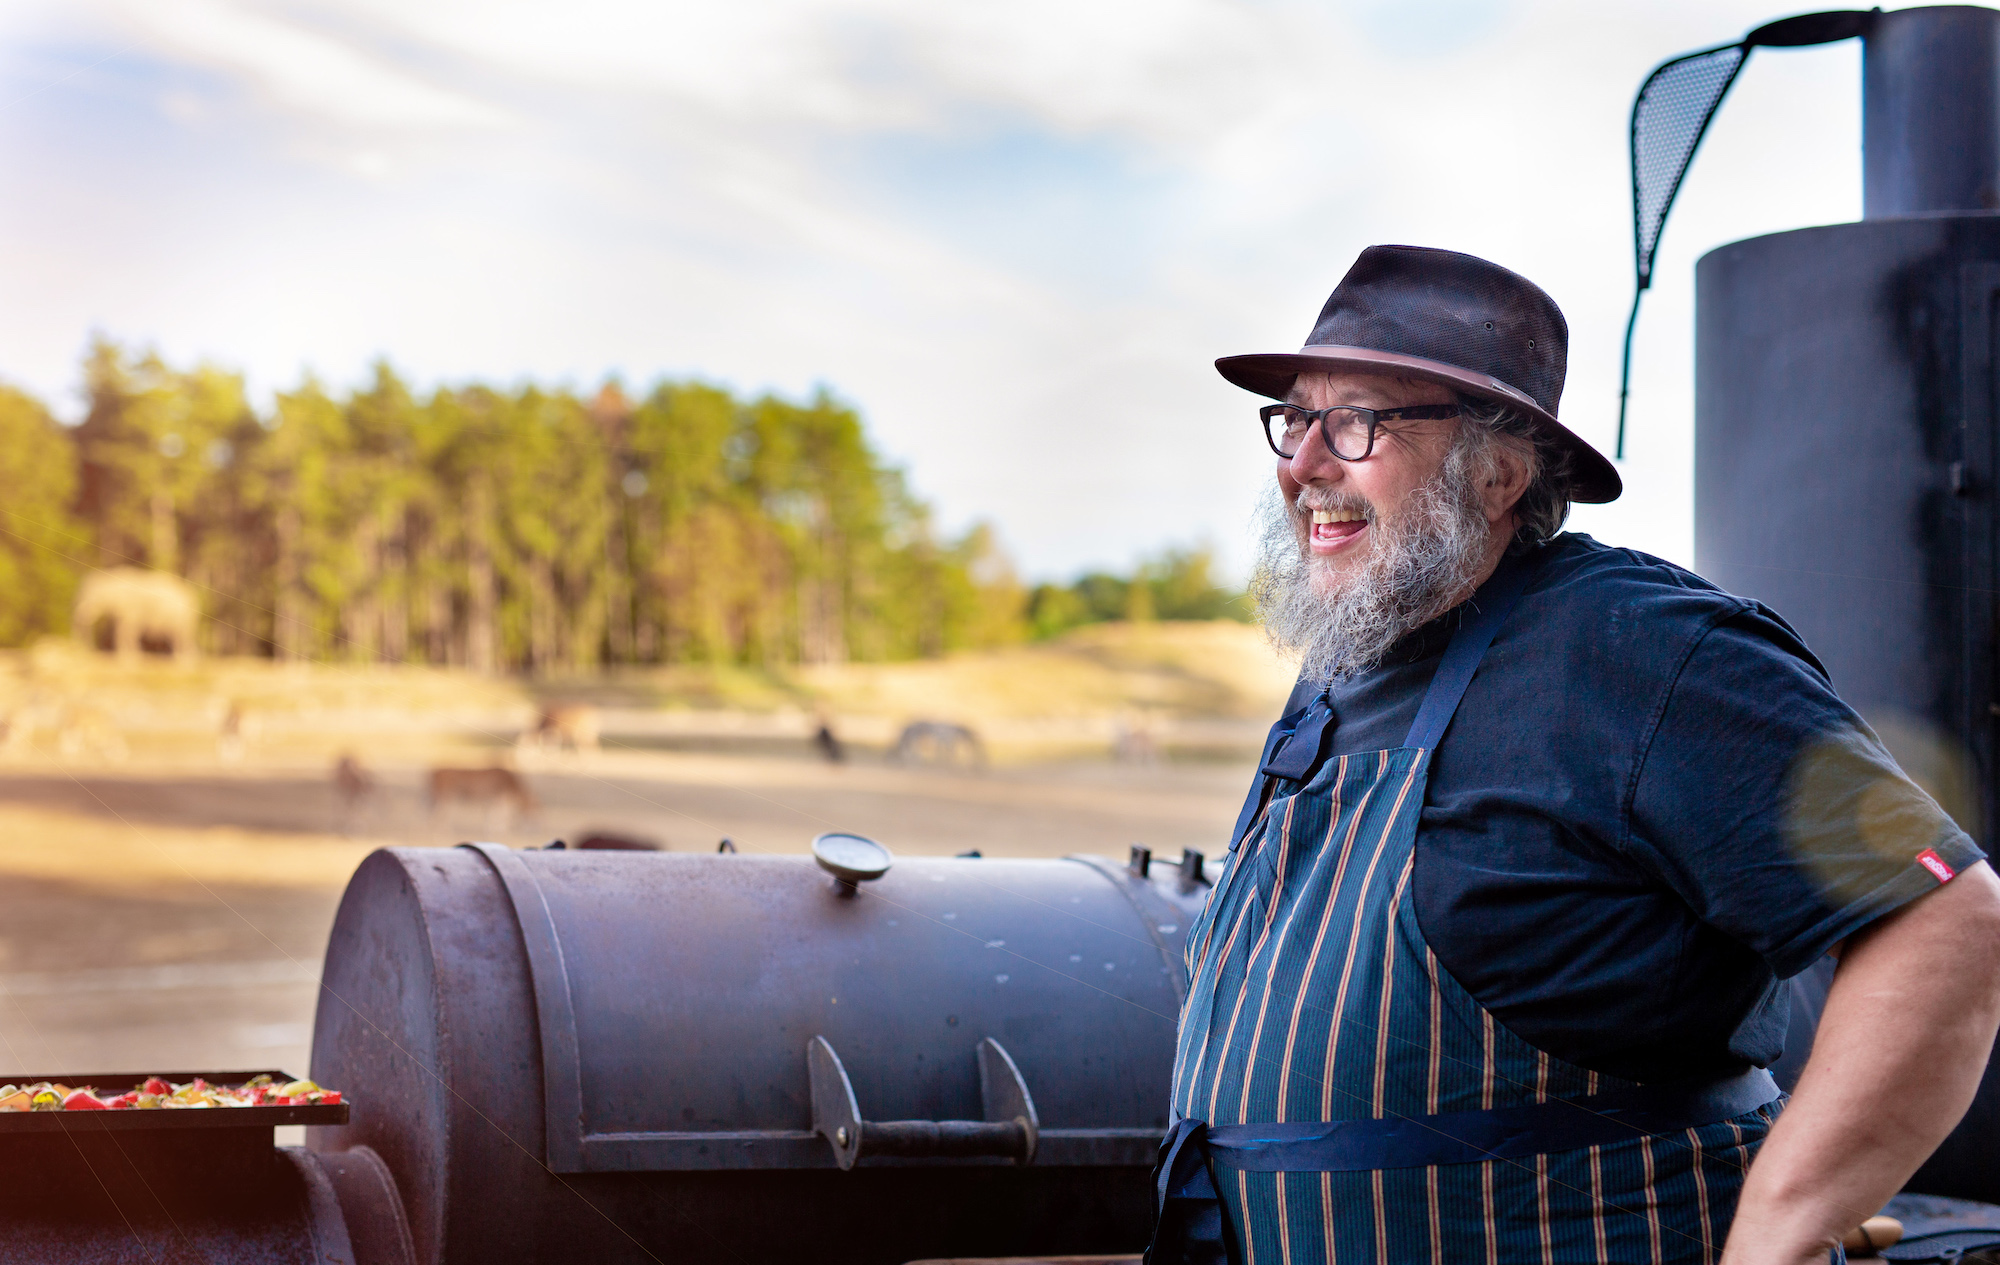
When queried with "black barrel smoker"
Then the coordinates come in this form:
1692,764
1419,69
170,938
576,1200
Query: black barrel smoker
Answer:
596,1057
604,1057
1846,435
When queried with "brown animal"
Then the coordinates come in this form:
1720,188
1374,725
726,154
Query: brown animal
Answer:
574,726
499,790
603,841
936,742
236,726
353,787
1133,742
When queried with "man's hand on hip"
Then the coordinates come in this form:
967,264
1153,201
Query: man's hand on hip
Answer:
1902,1044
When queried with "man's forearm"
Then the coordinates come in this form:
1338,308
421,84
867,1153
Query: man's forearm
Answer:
1908,1025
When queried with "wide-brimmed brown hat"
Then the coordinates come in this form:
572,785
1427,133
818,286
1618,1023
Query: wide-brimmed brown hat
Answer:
1437,315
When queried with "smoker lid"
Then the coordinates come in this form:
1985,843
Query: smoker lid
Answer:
676,1036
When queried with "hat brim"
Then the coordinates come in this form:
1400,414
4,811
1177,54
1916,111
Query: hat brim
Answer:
1271,374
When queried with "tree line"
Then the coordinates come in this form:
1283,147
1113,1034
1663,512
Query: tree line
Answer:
524,529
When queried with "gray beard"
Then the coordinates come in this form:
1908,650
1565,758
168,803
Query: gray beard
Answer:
1421,563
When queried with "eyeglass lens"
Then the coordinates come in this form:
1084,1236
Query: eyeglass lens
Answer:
1345,430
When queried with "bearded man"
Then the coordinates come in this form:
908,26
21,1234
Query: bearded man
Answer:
1494,968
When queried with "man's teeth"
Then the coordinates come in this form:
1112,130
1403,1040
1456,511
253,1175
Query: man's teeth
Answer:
1337,516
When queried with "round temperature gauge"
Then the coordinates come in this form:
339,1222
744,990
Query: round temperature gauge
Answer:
851,858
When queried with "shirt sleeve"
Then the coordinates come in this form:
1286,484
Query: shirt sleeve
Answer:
1775,811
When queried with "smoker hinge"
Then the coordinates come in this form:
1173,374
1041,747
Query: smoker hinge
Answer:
1190,869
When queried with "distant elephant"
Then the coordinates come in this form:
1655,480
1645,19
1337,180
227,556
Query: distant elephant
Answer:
149,610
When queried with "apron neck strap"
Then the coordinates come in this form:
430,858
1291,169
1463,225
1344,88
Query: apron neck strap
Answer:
1481,618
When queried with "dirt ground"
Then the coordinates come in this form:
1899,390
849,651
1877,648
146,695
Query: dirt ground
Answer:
175,919
172,849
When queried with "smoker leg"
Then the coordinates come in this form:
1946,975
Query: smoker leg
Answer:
355,1204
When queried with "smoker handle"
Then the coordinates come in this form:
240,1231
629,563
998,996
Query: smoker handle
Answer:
942,1138
1010,1129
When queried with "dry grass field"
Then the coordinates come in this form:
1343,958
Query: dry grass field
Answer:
172,847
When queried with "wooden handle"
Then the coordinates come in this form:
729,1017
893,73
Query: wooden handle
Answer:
1872,1235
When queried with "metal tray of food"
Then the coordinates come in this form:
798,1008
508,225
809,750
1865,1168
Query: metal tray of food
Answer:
221,1087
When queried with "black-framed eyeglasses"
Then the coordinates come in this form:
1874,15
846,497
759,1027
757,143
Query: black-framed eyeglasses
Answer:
1347,429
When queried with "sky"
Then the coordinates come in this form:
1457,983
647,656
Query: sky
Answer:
1015,236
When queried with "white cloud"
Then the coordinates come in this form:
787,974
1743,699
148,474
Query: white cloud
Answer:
311,71
1172,71
1014,234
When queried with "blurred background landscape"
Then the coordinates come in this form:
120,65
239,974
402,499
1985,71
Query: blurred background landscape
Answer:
632,408
241,645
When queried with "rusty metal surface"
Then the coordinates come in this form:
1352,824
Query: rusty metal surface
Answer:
326,1228
694,983
424,1000
1166,899
371,1209
904,976
548,970
213,1197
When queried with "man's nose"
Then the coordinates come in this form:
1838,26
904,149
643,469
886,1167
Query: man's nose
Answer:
1314,462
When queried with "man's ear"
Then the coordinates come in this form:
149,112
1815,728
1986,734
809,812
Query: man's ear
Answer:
1507,483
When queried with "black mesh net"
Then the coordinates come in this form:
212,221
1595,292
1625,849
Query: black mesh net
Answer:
1669,116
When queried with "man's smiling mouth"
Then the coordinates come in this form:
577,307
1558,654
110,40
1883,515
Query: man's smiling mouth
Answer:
1333,528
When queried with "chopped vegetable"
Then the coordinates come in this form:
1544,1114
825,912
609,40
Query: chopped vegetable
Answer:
159,1094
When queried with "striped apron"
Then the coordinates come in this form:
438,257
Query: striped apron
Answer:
1391,1119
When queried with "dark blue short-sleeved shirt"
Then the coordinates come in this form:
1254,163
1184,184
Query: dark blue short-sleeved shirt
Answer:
1650,807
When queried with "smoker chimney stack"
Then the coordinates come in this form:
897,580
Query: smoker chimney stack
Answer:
1931,112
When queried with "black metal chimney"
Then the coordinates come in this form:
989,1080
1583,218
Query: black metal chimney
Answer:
1847,439
1930,121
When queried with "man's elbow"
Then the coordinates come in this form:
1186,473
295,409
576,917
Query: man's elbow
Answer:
1970,904
1953,932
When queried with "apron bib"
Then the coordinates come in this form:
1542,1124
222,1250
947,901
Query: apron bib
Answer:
1318,1015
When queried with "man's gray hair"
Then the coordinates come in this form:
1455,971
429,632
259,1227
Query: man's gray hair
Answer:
1542,509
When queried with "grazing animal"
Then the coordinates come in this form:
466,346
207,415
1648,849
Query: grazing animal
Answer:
353,788
603,841
236,726
498,790
1134,743
149,610
937,742
828,744
575,726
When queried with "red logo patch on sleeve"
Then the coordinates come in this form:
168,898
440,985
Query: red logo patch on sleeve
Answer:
1931,861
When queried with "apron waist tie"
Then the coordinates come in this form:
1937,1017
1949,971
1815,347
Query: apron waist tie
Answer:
1189,1228
1467,1137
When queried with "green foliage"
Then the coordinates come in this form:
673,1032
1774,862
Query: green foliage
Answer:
40,544
529,529
1175,584
525,529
